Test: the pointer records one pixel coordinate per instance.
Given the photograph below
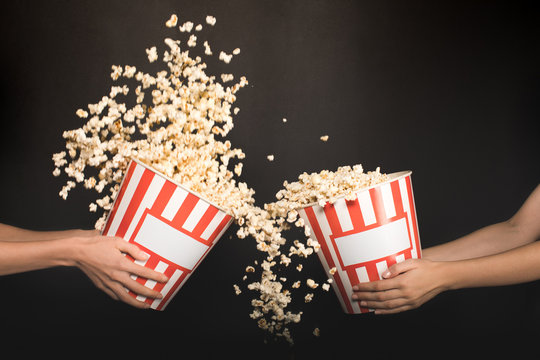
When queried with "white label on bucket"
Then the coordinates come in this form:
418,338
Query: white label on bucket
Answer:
170,243
374,244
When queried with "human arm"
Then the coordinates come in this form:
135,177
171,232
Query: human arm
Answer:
99,257
410,284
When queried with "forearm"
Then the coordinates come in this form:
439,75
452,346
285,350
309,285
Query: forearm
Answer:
515,266
12,233
16,257
486,241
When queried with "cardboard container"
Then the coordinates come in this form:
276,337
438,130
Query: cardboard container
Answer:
363,237
173,225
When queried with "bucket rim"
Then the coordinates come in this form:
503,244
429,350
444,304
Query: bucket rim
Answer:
391,177
180,185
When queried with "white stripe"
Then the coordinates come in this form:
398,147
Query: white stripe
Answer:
126,198
388,201
382,266
174,203
325,228
362,274
400,258
343,215
408,210
324,263
195,215
213,225
172,280
148,200
366,207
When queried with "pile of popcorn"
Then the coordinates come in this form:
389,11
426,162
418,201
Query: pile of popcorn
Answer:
177,126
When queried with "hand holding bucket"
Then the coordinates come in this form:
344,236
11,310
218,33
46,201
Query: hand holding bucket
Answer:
174,226
361,238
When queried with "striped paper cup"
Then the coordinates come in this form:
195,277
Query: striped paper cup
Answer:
361,238
173,225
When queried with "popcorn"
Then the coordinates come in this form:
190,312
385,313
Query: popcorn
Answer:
284,120
325,287
172,21
211,20
316,332
179,130
332,271
324,138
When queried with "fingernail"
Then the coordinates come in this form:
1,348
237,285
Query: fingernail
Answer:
386,274
363,303
354,297
144,255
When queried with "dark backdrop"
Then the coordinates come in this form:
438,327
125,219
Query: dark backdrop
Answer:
447,89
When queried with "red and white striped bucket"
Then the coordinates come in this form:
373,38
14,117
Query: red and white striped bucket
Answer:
176,227
361,238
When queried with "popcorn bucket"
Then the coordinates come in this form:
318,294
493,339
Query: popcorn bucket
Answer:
361,238
173,225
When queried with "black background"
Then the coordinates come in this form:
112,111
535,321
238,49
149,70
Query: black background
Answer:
446,89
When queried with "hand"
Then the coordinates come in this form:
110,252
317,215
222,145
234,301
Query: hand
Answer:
405,286
101,259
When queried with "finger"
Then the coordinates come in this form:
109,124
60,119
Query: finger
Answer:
124,296
399,268
379,285
131,249
377,295
98,283
385,305
137,287
144,272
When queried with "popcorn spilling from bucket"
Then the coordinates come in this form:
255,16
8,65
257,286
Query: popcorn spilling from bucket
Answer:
178,127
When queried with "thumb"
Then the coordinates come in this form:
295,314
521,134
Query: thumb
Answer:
399,268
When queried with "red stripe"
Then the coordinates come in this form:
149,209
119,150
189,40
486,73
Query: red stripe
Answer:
151,264
353,278
356,215
396,194
163,198
135,201
326,252
391,260
205,221
373,273
167,296
378,206
220,228
333,220
118,200
413,216
184,211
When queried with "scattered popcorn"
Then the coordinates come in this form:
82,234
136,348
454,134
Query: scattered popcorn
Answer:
325,287
186,27
198,27
211,20
179,129
284,120
311,283
236,51
324,138
226,78
172,21
332,271
152,54
237,289
81,113
316,332
225,57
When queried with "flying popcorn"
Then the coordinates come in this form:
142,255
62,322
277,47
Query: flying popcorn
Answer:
177,123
